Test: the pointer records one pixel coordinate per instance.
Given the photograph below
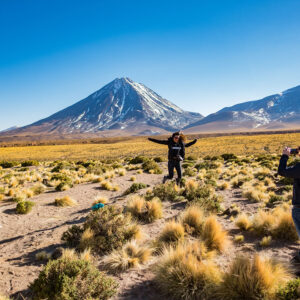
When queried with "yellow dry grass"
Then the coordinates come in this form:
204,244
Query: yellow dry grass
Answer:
240,145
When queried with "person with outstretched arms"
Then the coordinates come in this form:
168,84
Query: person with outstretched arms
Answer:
176,144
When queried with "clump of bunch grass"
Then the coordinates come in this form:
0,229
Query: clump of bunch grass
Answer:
187,272
192,219
266,241
131,255
42,256
132,178
102,200
71,277
38,189
214,236
104,230
238,239
144,210
278,223
24,207
65,201
172,233
255,278
106,185
243,222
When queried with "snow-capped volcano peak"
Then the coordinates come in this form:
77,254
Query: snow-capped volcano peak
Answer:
121,104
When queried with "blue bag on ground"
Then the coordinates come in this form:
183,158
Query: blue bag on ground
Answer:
97,206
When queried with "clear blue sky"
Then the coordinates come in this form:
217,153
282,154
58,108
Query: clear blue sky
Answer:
202,55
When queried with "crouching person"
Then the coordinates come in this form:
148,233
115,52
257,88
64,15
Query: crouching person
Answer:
292,172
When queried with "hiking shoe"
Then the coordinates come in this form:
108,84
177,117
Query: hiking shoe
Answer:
165,179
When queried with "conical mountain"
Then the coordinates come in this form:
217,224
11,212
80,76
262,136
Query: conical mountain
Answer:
120,105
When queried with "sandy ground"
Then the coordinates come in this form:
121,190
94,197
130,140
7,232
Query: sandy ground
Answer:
22,236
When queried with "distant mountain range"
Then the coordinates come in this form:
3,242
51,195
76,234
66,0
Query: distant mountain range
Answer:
278,111
124,107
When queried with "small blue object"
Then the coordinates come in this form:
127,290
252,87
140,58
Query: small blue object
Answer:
97,206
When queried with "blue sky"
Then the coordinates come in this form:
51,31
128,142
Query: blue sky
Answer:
202,55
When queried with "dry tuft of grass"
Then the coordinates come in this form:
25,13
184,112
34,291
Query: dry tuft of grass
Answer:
86,240
144,210
106,185
243,222
192,219
266,241
131,255
101,199
214,236
173,232
42,256
132,178
65,201
254,279
186,272
238,239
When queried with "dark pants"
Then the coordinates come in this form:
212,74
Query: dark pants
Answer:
174,164
296,218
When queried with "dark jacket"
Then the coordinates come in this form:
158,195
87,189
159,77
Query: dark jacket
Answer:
175,149
291,172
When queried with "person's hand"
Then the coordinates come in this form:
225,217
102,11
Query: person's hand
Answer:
286,151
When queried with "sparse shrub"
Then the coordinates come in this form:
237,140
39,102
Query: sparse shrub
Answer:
167,192
139,160
65,201
158,159
24,207
192,157
255,195
193,219
135,187
65,279
213,235
129,256
110,227
223,186
289,291
190,172
29,163
172,233
38,189
151,165
229,156
8,164
186,272
253,279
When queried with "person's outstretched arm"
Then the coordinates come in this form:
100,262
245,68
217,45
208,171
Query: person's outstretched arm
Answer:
191,143
291,172
158,141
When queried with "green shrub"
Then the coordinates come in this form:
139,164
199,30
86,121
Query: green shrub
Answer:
29,163
189,172
67,279
290,291
110,229
151,165
8,164
135,187
24,207
192,157
167,192
158,159
208,165
138,160
228,156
